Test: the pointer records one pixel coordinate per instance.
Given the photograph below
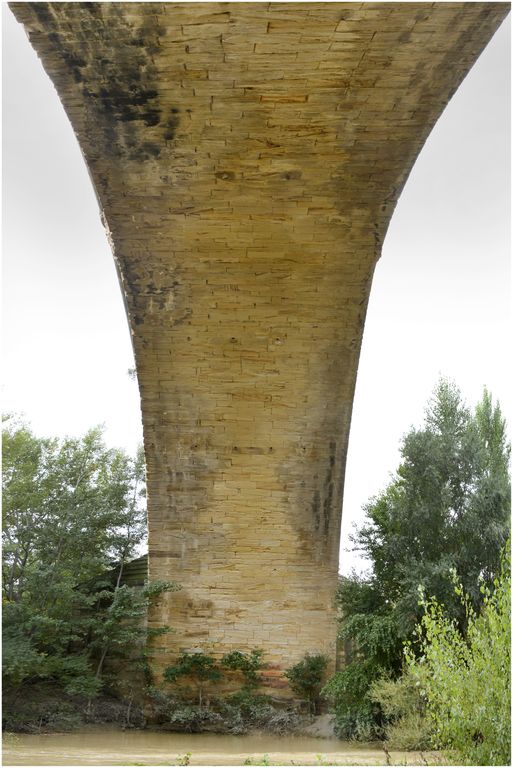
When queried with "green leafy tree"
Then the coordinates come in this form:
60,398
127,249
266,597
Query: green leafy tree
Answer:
199,667
466,678
447,508
247,663
117,626
306,678
71,509
356,714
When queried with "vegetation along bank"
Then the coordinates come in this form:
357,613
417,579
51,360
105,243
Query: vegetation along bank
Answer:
425,632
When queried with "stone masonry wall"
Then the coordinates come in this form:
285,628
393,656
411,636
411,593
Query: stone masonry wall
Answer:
247,158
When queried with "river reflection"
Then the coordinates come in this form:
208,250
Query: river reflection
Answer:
106,747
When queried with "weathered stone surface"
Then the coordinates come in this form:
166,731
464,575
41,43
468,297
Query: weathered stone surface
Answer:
247,158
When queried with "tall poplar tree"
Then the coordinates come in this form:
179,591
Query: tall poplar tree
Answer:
446,510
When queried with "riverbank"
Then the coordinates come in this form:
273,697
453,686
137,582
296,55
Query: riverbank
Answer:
113,747
43,708
47,709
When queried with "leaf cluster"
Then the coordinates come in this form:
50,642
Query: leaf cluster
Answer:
197,665
203,668
306,678
247,663
356,715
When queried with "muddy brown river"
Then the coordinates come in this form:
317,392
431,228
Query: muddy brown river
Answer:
105,747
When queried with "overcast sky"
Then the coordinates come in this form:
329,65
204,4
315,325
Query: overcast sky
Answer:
439,303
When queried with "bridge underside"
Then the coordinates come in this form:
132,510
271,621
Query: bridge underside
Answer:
247,158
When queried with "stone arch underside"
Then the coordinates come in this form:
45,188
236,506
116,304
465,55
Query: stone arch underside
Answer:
247,158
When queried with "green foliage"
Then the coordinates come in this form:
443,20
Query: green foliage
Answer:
257,761
356,715
403,706
199,667
154,589
192,718
447,509
306,677
174,714
466,679
71,509
235,714
118,628
247,663
46,707
21,660
246,710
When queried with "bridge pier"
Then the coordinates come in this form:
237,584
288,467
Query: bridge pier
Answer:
247,159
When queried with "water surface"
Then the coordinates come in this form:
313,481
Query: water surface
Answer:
109,747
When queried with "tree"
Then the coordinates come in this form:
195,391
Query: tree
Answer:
71,509
466,679
447,509
199,667
305,678
248,664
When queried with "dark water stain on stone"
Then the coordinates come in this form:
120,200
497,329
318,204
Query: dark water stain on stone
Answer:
172,124
316,504
322,503
42,12
111,58
328,489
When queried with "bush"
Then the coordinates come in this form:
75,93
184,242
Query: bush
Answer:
236,714
305,678
404,710
247,663
200,667
46,707
191,718
466,680
174,714
20,660
33,716
245,711
356,715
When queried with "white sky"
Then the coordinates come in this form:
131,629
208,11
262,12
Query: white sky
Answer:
439,303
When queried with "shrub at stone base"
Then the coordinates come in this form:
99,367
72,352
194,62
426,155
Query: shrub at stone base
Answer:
248,664
236,714
245,711
198,667
305,679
